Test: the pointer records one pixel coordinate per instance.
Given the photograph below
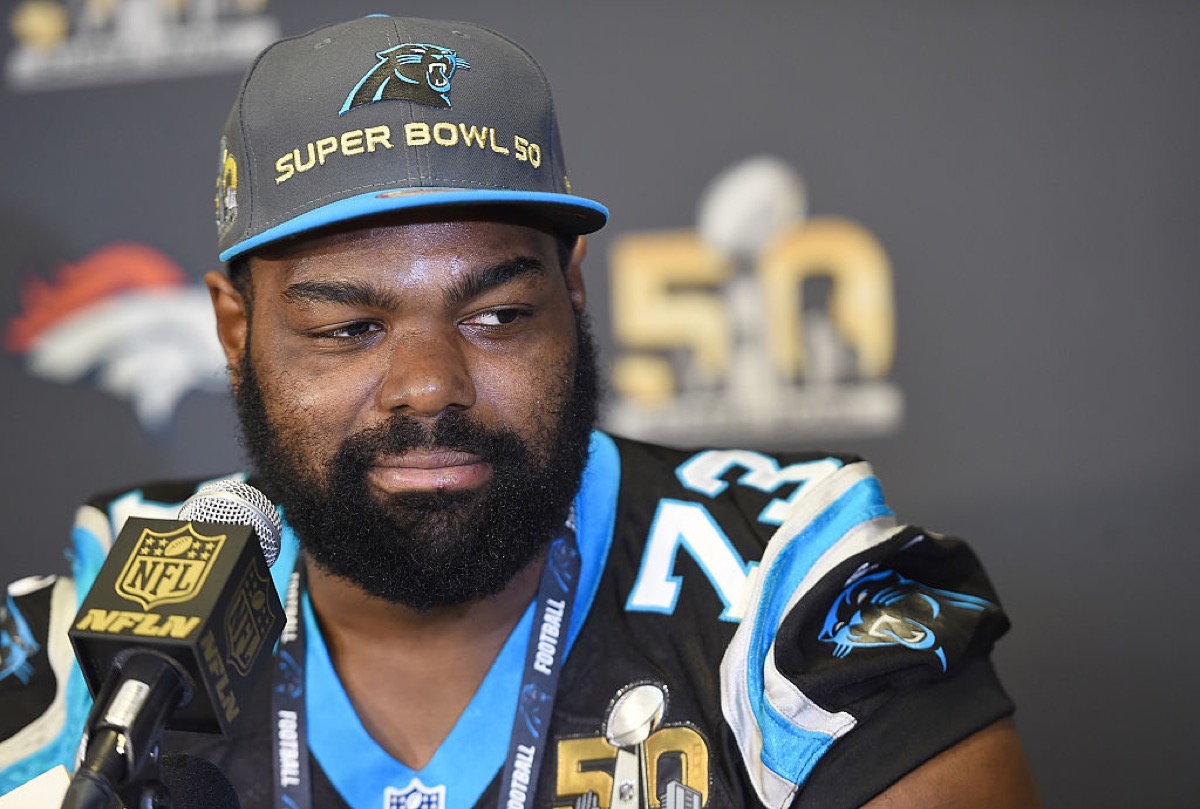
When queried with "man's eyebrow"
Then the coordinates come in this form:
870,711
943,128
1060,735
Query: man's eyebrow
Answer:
475,283
372,296
346,293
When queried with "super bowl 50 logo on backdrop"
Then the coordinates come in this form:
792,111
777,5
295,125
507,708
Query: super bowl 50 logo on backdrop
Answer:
759,324
71,43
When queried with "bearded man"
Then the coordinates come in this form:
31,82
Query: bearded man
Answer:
497,604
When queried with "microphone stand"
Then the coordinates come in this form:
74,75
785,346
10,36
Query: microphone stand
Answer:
120,757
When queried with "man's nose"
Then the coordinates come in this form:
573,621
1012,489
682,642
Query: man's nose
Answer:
427,375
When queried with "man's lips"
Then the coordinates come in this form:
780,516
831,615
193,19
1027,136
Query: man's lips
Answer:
428,470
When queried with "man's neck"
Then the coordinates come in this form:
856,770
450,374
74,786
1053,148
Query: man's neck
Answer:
410,673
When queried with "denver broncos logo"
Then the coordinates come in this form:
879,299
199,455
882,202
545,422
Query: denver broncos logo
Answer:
886,609
411,72
126,317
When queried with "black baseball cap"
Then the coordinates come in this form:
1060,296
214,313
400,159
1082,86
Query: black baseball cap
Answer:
388,113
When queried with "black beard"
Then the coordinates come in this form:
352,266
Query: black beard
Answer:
429,549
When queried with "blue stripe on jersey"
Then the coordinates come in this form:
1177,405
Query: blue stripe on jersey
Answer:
790,751
596,516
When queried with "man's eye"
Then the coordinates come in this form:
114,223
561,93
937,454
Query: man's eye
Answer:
497,317
351,331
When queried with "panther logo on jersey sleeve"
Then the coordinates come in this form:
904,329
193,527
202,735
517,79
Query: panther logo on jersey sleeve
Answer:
887,609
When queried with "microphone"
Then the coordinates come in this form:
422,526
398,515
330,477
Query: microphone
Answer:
197,783
177,627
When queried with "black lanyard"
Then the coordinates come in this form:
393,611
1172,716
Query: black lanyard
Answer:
293,788
539,684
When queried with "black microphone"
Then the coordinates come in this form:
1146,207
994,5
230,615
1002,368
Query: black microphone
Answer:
177,627
197,783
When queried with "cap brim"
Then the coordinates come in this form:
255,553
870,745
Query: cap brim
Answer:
565,212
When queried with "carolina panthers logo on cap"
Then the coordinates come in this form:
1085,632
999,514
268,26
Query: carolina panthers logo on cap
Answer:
887,609
410,72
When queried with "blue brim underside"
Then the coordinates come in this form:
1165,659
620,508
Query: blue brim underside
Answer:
571,214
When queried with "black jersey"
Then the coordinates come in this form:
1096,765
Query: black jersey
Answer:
796,646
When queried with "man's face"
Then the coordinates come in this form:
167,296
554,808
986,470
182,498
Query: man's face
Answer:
418,398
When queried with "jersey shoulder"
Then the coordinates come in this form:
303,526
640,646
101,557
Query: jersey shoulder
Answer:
39,713
850,632
748,492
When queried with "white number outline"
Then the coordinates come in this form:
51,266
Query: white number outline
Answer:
689,525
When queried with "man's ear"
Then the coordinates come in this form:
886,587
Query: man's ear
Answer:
574,274
233,324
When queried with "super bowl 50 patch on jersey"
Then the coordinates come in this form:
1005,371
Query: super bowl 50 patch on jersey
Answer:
637,757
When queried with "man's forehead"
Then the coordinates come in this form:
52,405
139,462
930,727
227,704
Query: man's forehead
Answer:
455,256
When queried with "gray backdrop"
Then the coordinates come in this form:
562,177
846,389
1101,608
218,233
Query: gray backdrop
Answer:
1031,169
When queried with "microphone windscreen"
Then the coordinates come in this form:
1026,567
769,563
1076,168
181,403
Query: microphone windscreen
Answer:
196,783
231,501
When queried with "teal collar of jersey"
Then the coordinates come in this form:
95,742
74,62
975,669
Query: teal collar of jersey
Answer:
474,752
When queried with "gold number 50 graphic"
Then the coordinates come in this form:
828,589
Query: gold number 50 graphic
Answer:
681,308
